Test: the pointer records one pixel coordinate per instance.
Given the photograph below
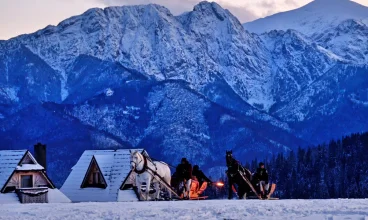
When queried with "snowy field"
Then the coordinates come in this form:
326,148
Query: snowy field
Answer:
211,209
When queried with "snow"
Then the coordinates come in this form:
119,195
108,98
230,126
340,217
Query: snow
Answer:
330,54
210,209
55,196
10,93
109,92
8,198
9,160
30,167
312,18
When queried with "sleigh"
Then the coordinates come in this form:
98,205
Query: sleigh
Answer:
150,180
197,190
252,195
255,192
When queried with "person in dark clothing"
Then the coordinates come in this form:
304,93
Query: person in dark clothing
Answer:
200,175
184,173
261,177
184,169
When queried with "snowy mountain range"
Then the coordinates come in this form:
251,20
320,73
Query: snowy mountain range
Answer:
186,86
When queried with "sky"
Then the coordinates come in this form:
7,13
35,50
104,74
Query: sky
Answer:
27,16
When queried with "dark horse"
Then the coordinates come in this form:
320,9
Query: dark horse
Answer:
238,175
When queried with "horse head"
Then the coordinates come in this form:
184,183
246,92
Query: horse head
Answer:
229,157
135,159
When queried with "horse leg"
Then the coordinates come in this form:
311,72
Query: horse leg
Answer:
139,189
157,188
148,187
230,196
241,192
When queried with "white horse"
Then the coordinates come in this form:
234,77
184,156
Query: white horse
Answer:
149,172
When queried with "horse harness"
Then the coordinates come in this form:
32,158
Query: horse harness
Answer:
153,173
145,166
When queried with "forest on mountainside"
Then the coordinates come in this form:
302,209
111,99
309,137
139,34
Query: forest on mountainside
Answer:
334,170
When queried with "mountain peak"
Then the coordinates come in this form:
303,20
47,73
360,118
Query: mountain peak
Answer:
209,8
312,18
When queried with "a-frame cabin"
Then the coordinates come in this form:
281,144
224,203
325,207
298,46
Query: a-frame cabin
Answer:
23,179
98,177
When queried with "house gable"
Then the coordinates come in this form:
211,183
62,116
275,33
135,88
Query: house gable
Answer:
94,176
27,159
15,164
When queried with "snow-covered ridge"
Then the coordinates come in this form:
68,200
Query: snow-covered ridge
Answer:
315,17
150,40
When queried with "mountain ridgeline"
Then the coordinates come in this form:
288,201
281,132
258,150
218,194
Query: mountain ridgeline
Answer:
190,86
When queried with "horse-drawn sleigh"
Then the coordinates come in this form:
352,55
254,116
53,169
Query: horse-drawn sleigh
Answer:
248,185
153,180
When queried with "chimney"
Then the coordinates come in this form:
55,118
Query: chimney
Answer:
40,154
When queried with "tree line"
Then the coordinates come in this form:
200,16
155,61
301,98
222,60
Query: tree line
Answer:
338,169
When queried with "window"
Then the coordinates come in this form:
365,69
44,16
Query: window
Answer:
94,178
26,181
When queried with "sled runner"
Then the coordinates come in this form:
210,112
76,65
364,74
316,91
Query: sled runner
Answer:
199,198
272,190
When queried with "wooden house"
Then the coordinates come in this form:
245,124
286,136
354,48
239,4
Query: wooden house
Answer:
98,177
23,179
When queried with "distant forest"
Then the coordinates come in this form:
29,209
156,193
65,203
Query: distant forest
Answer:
335,170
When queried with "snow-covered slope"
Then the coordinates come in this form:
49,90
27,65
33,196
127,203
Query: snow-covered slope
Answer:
355,209
315,17
296,63
348,39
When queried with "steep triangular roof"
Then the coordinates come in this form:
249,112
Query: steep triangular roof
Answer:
9,160
18,160
28,162
114,165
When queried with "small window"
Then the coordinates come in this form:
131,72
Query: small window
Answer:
26,181
94,178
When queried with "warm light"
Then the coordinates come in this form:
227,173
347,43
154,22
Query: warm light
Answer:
220,184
